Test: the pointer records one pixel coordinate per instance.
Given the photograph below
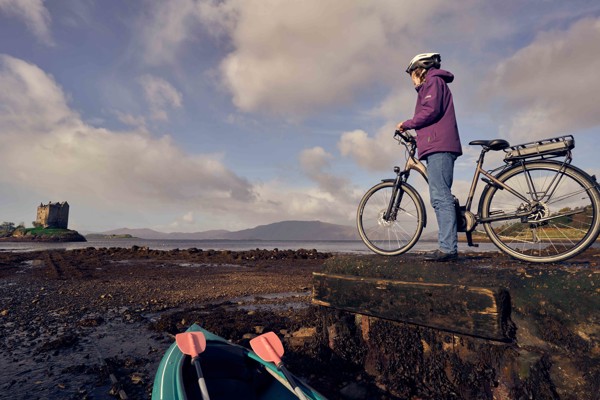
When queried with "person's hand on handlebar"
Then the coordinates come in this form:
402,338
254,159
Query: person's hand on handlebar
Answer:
400,128
404,135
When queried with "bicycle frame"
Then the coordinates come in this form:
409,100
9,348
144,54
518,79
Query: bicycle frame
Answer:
412,163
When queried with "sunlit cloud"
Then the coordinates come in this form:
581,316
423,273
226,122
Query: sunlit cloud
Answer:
374,153
99,166
549,86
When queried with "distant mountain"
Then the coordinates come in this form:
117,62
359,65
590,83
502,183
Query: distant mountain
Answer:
297,230
145,233
285,230
138,233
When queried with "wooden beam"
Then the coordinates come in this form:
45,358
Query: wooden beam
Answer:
474,311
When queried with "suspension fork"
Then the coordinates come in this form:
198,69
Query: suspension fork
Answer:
397,194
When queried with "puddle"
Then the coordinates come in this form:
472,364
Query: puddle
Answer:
28,265
274,307
485,266
270,302
210,265
259,302
162,263
270,296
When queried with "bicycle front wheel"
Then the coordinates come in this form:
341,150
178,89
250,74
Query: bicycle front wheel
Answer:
399,233
559,221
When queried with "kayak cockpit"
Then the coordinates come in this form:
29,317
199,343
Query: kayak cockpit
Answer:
231,374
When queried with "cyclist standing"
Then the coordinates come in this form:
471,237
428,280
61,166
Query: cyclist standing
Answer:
438,144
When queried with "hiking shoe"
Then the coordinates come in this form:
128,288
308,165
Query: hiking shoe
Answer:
439,255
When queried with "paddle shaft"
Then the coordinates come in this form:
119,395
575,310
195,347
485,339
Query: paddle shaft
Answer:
201,381
291,380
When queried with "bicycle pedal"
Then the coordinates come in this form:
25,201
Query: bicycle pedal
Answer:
470,240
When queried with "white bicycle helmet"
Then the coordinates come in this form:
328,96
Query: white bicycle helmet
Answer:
425,60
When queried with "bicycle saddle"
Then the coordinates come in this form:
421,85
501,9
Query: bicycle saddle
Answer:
495,144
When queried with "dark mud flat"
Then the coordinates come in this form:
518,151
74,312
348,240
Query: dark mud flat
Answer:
94,324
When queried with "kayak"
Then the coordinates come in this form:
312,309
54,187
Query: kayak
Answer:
230,371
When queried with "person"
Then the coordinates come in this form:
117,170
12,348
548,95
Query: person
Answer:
438,144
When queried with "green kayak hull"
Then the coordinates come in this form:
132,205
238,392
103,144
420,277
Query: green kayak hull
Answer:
261,380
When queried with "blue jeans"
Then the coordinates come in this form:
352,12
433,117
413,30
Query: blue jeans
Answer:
440,172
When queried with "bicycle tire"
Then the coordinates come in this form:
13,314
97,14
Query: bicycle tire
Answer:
390,238
552,239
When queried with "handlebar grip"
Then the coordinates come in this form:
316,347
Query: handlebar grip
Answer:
403,135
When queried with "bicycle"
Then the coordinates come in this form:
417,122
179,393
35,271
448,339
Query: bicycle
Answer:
534,207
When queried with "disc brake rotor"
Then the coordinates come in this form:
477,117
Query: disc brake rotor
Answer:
381,220
540,211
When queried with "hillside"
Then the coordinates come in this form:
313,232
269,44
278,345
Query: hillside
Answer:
285,230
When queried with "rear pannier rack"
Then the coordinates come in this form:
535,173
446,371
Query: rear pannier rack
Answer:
546,148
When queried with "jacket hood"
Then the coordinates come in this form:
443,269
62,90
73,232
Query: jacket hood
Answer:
445,75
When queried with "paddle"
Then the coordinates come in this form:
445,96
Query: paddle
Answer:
192,344
269,348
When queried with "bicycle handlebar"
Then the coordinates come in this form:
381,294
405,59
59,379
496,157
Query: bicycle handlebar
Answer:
405,136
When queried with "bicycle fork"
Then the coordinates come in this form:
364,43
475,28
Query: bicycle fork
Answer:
396,198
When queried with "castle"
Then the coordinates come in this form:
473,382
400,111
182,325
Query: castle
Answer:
53,215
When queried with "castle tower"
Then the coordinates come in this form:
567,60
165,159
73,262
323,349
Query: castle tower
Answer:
53,215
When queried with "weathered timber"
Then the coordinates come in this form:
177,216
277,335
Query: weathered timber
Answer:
418,328
474,311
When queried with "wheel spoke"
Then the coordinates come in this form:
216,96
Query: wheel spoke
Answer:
389,237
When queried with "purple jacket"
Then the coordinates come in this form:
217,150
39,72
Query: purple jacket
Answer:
434,119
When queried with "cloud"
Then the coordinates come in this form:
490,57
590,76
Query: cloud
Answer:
294,59
315,163
183,222
33,14
278,201
300,58
29,99
314,160
136,121
297,58
160,95
164,27
375,153
549,87
48,148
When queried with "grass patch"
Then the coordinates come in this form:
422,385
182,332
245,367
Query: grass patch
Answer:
46,231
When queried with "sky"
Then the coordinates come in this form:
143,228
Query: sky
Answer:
191,115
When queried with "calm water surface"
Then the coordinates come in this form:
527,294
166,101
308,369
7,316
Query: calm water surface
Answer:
352,247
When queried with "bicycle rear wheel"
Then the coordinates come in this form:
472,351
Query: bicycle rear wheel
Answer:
394,236
561,222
